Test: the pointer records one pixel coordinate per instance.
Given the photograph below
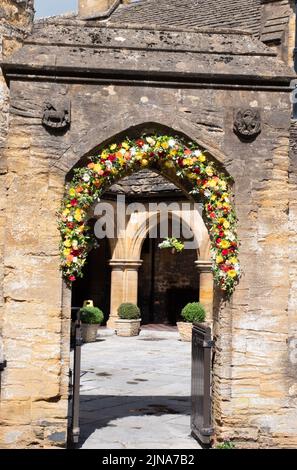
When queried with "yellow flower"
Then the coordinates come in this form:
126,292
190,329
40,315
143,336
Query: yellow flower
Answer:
226,224
77,215
232,273
209,171
67,243
233,260
66,252
188,161
213,197
144,162
221,220
72,192
113,147
201,158
125,145
65,212
224,244
192,176
212,183
97,167
165,145
219,259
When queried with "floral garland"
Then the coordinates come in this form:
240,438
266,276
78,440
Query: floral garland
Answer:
167,152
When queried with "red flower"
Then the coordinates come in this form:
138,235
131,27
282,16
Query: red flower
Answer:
219,240
70,225
221,233
197,171
180,162
225,252
140,142
72,278
74,202
212,215
112,157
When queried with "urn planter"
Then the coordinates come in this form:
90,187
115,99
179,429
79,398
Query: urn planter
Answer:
127,327
185,330
89,332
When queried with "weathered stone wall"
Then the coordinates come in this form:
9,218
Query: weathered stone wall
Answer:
16,19
254,381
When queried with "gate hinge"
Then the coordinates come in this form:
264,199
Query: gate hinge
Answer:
207,431
208,344
3,365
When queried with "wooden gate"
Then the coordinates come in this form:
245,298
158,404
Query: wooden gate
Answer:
74,429
201,415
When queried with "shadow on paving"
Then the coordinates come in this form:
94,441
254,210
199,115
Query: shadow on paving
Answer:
97,411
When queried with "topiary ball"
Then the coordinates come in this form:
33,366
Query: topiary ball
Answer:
91,315
128,311
193,312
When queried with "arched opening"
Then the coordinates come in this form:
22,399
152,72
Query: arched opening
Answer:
161,293
185,166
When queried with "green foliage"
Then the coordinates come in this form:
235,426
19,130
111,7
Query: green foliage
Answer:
225,445
91,315
172,243
193,312
128,311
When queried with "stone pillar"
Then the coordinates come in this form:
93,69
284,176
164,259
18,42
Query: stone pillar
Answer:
124,285
206,287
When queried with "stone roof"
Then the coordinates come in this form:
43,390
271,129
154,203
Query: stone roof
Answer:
234,14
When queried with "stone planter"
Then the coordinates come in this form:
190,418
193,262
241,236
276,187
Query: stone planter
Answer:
127,327
185,330
89,332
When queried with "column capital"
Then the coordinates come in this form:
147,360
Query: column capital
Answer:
204,266
124,264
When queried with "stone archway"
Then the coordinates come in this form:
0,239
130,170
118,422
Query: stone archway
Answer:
126,260
186,164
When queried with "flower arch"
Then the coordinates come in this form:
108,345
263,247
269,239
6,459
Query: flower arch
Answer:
164,152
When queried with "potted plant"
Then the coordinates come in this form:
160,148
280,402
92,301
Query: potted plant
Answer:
128,323
192,312
176,245
91,318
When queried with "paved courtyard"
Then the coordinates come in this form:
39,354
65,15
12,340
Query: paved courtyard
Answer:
135,392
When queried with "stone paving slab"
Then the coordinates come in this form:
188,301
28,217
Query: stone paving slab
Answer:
135,392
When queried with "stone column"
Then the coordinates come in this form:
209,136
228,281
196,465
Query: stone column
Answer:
206,287
124,285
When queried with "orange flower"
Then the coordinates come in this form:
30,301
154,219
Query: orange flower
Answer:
91,165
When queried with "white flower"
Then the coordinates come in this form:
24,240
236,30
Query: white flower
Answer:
86,177
230,236
75,259
133,151
171,142
123,151
145,147
207,193
197,153
150,140
108,164
70,218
